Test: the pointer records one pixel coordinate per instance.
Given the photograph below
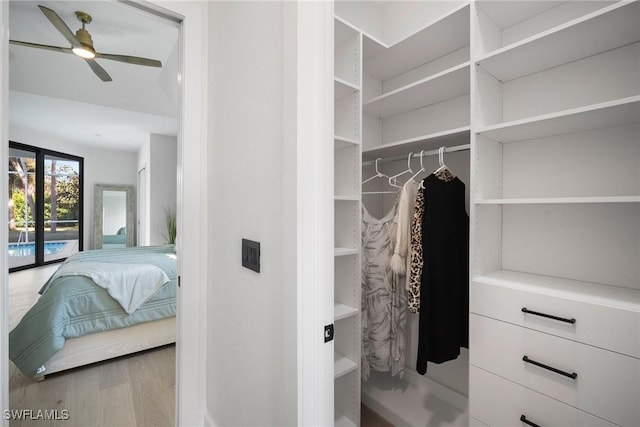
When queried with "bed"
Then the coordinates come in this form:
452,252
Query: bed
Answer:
98,305
120,238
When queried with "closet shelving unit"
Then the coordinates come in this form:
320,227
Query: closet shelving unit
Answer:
548,95
347,218
415,95
415,91
555,212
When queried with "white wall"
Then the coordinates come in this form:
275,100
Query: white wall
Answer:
159,157
100,167
251,349
163,177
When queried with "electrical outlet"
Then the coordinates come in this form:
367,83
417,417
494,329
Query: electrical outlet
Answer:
251,255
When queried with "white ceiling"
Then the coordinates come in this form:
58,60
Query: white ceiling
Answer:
58,94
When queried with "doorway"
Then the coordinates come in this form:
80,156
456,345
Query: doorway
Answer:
192,268
43,129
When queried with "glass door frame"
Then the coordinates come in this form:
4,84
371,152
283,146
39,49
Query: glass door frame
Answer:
40,155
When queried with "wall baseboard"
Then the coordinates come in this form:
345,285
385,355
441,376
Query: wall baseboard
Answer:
207,421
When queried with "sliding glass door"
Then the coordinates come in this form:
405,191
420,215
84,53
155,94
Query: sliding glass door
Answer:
61,207
22,207
45,206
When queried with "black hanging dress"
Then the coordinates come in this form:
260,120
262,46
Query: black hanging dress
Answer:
444,288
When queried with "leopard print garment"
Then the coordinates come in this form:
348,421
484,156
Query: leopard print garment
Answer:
444,175
415,251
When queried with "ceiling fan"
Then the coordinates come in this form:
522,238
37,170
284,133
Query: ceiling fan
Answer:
82,45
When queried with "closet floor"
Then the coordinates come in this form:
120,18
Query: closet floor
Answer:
370,418
405,404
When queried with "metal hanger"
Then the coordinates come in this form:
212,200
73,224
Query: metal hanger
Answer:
443,172
393,180
378,175
422,169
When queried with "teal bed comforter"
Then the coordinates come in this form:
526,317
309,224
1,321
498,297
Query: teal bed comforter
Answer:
73,306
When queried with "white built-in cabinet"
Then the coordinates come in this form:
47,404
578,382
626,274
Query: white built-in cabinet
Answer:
548,95
555,213
415,91
347,218
396,92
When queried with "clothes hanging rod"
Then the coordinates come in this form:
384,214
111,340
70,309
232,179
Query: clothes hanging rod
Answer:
463,147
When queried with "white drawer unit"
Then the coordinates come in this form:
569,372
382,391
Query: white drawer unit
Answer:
555,213
580,311
594,380
499,402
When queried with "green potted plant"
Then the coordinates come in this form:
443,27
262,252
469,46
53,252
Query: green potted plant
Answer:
170,225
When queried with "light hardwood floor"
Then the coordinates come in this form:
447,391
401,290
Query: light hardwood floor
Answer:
136,390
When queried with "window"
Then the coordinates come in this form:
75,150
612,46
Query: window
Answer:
45,206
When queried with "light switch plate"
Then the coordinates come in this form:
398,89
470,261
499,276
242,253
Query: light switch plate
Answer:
251,255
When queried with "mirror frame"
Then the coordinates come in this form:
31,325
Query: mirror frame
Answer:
99,189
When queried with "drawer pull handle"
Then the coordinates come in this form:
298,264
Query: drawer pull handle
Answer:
572,375
527,422
548,316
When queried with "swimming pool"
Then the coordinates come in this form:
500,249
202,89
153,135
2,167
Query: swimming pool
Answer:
29,249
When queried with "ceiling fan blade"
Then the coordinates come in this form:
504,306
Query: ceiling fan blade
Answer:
136,60
100,72
60,25
42,46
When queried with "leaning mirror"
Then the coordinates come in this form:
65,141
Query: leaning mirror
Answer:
114,221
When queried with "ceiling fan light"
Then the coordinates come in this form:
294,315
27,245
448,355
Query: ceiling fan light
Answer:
83,52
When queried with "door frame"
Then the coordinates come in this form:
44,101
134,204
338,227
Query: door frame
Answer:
192,267
315,158
142,218
4,241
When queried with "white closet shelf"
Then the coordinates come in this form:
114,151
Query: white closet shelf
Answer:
506,13
372,47
560,200
342,421
383,61
344,198
342,31
343,142
439,87
342,311
450,137
608,28
342,88
342,365
605,114
345,251
594,293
